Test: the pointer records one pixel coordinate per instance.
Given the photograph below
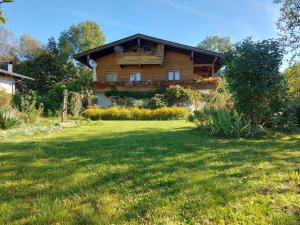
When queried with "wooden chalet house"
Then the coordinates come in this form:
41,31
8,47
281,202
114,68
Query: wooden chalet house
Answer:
142,63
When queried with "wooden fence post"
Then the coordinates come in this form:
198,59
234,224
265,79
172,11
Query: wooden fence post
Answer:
64,111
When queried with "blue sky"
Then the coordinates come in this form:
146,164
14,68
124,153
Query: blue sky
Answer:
183,21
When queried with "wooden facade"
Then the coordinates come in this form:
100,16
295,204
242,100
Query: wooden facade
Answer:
172,61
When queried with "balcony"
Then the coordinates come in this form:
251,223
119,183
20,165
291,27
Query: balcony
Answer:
139,59
206,83
154,57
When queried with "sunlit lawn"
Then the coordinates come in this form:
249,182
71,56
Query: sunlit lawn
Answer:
146,172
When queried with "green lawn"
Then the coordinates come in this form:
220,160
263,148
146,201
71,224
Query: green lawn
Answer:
148,172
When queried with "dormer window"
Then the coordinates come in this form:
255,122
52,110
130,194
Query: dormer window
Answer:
147,50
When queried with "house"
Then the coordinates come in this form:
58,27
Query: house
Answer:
8,79
142,63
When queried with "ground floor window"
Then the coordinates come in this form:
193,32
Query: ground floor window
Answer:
111,76
134,76
174,75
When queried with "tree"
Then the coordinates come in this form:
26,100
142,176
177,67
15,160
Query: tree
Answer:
292,75
252,72
2,17
80,37
289,24
52,46
216,43
48,71
7,46
28,47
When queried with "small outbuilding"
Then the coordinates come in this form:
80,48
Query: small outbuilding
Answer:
8,79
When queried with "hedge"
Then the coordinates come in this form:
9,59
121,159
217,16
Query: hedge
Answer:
133,94
115,113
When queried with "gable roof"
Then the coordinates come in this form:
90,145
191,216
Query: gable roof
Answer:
7,73
109,48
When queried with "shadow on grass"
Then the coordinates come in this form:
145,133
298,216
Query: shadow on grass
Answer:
157,165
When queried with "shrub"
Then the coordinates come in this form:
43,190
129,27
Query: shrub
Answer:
219,99
27,106
295,108
224,123
177,96
54,99
8,119
156,102
5,98
174,96
285,120
201,117
115,113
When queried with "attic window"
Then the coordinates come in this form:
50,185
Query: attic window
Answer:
147,50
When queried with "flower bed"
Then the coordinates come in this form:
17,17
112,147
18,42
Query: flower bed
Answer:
115,113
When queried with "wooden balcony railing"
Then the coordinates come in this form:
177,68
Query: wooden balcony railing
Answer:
194,84
139,59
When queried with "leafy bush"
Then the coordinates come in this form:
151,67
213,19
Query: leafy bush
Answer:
5,98
173,96
200,117
219,99
295,108
27,106
177,96
54,99
284,120
156,102
115,113
8,119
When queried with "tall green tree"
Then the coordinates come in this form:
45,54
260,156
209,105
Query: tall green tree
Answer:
289,24
52,46
216,43
254,80
2,17
80,37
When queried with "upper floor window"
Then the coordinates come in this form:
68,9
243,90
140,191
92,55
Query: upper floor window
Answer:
174,75
111,76
147,50
134,76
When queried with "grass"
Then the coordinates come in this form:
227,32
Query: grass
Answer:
148,172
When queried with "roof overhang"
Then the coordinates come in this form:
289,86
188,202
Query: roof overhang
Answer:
14,75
